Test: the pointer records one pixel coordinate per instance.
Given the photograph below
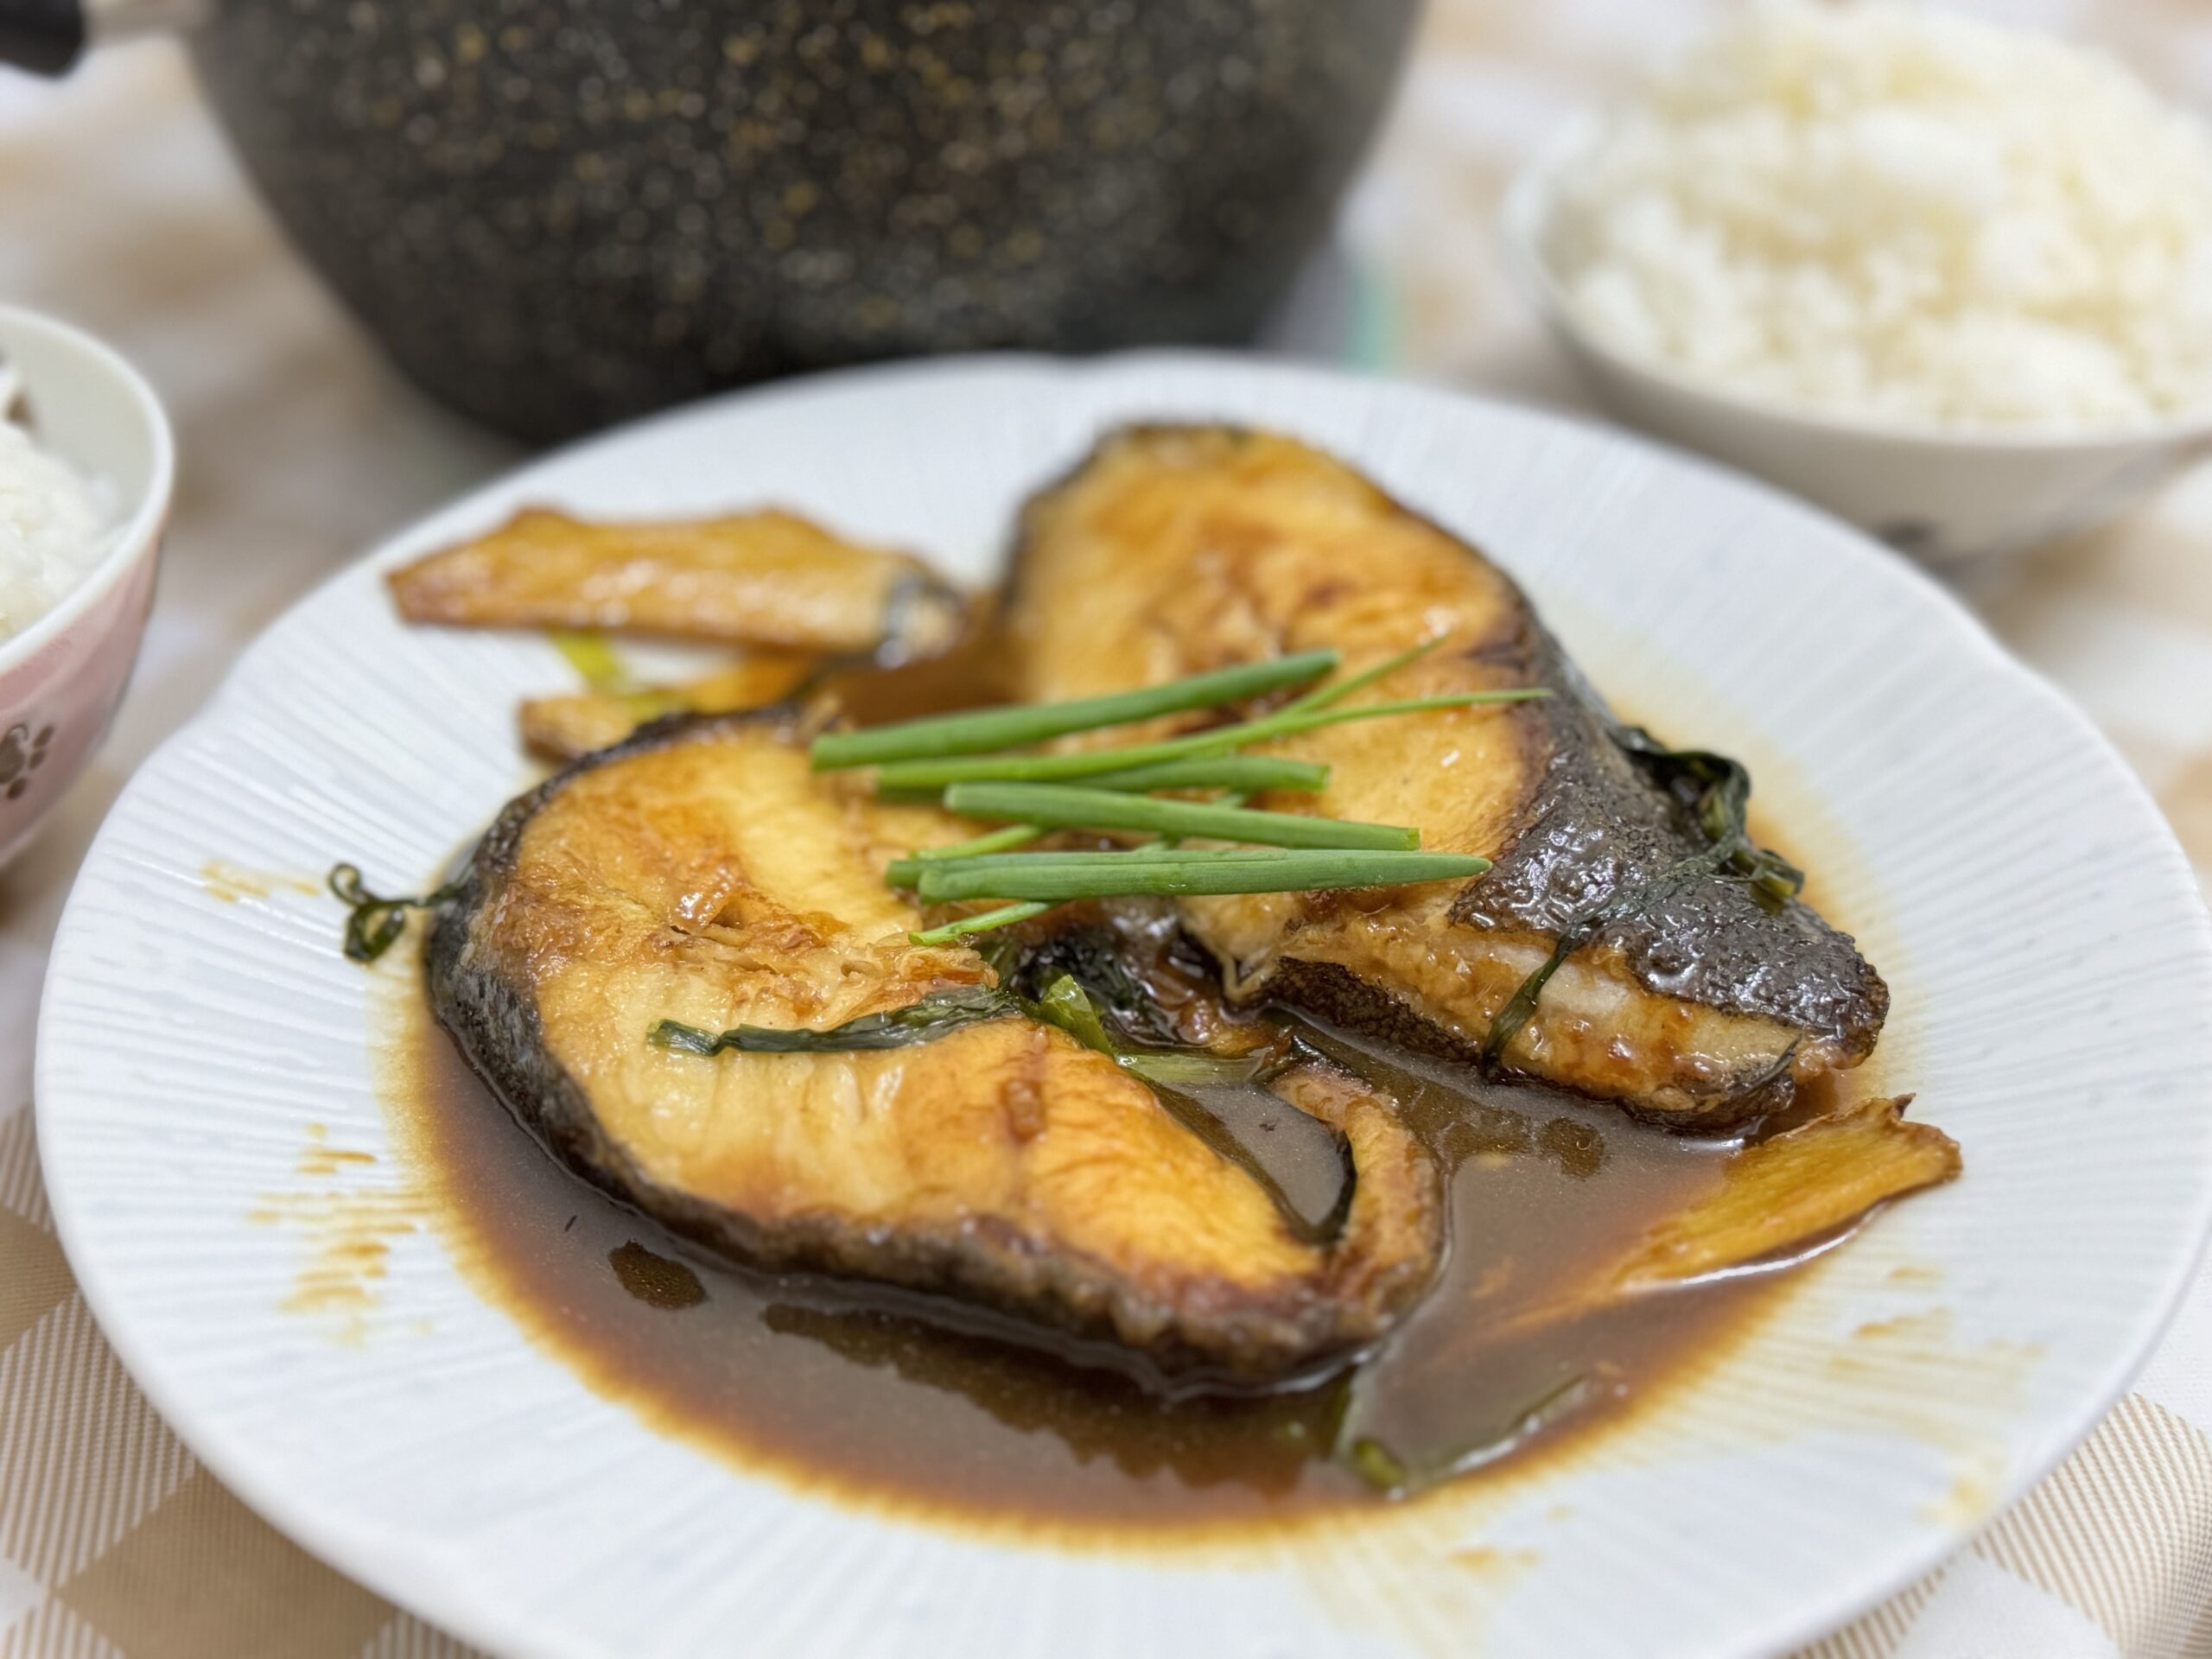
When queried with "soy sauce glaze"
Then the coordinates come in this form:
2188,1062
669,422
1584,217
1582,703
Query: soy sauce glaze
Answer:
864,1393
887,1397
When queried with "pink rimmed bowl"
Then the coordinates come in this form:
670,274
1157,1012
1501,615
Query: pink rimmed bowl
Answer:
62,678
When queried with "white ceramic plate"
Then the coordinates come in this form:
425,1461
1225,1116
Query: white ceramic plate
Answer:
2049,952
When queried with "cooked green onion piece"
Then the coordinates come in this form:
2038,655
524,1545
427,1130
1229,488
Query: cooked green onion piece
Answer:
1377,1464
1108,875
985,729
374,924
1221,740
918,1022
1063,806
1384,1469
1173,1070
595,661
1065,1003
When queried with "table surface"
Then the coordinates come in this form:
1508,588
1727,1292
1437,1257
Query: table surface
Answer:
300,449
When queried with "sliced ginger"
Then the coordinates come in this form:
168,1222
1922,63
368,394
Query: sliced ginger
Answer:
1793,1190
769,579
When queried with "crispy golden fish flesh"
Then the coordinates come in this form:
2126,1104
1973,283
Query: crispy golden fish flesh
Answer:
1172,550
767,578
704,875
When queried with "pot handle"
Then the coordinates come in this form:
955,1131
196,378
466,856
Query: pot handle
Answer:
49,36
44,36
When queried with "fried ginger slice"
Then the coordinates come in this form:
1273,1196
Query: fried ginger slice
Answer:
1794,1189
766,578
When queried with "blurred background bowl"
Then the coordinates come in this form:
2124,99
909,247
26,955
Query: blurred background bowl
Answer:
62,678
555,216
1948,497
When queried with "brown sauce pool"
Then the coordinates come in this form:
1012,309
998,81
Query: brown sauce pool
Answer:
856,1392
864,1394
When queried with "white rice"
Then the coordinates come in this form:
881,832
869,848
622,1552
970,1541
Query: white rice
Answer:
1905,215
56,524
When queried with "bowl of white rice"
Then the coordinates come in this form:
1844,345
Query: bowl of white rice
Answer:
85,469
1950,280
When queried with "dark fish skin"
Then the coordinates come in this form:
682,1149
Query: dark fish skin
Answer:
1597,824
1112,1306
1171,549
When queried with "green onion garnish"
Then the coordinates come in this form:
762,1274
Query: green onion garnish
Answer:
908,871
998,840
1058,876
1061,806
1324,696
985,729
1248,772
984,921
1084,764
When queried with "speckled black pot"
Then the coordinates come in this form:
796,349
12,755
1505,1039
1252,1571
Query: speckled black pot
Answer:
558,212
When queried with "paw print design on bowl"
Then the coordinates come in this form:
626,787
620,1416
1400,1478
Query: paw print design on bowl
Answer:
21,753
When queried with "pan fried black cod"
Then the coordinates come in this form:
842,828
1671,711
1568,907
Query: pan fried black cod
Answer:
704,874
1171,550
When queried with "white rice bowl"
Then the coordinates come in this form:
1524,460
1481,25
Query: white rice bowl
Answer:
1901,215
56,524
